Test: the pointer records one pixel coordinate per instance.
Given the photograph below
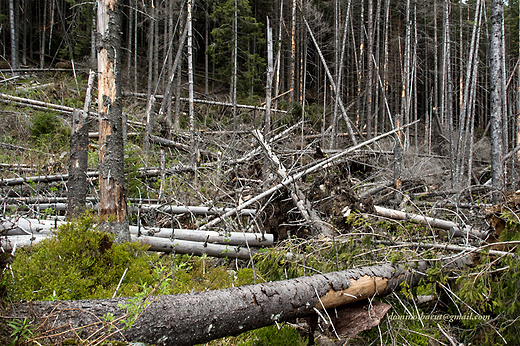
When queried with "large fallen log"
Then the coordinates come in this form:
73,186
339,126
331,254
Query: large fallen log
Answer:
199,317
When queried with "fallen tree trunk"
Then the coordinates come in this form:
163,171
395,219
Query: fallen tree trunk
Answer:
453,228
199,317
212,103
323,164
170,209
143,172
179,246
33,227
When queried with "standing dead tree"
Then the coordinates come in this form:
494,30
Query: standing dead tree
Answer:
77,184
112,201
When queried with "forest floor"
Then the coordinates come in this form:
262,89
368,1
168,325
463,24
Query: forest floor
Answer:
34,140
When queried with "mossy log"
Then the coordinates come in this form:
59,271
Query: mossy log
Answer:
198,317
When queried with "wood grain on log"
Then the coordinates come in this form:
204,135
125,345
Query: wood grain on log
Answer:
198,317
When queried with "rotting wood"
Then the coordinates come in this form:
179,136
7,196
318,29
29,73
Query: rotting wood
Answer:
310,215
199,317
77,188
325,163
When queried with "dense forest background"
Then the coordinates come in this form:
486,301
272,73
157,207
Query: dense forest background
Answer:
393,61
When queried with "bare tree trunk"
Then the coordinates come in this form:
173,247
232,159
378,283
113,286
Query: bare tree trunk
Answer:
199,317
234,79
169,120
406,79
42,33
447,110
464,114
269,80
15,63
129,44
190,85
112,194
370,47
385,86
77,186
435,64
135,45
156,38
149,57
292,68
278,56
518,91
339,80
206,56
496,97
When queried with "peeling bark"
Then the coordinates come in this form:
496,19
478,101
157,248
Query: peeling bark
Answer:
198,317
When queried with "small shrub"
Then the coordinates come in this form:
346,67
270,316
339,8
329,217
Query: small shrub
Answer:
79,262
48,131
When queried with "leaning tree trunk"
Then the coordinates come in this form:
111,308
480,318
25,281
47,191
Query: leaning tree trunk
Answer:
199,317
112,194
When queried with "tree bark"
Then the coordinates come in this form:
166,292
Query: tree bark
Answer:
496,96
112,189
77,187
199,317
15,63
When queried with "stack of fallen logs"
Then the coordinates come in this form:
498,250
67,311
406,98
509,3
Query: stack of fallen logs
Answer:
20,232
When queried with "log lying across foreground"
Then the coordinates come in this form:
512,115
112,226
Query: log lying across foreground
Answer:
199,317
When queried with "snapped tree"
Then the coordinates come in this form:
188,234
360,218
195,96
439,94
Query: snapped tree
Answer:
112,194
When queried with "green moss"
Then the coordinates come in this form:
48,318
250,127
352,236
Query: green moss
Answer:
267,336
79,262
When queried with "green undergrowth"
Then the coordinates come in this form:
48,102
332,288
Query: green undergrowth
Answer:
80,262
